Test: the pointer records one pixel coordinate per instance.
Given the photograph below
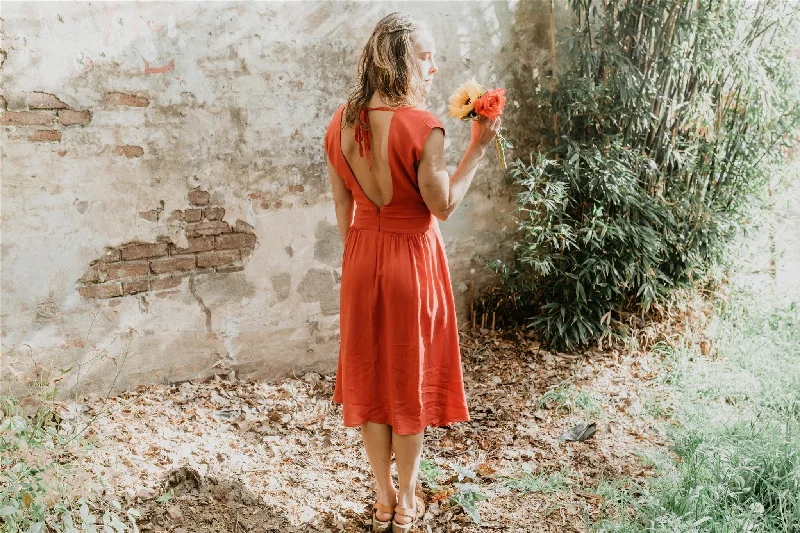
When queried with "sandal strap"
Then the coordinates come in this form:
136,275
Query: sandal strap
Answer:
405,511
383,508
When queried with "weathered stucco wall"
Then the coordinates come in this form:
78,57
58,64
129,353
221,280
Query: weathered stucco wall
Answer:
166,212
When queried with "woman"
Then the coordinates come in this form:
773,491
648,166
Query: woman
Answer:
399,367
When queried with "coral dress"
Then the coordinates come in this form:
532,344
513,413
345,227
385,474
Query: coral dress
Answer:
399,359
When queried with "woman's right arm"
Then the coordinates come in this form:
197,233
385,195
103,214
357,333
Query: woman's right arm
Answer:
442,192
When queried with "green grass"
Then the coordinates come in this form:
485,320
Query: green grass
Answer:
568,399
735,431
538,482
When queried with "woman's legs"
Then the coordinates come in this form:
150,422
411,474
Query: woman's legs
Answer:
378,443
407,453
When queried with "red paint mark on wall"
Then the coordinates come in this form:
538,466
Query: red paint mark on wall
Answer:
158,70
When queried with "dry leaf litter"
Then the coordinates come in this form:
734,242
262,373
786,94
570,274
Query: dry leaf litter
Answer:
231,455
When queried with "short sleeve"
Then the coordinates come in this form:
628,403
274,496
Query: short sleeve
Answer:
331,135
432,121
425,123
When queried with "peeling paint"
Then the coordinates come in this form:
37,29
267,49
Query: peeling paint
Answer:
282,285
328,246
320,286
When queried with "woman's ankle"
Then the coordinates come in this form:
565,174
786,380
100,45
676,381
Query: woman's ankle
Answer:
407,500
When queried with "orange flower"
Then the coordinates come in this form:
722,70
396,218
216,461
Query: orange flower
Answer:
491,103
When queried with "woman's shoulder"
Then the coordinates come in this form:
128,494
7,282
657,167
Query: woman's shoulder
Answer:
424,116
334,127
340,109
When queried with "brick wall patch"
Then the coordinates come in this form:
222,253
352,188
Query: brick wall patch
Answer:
27,118
213,246
43,110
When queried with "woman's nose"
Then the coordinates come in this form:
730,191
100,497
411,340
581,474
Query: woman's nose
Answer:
434,69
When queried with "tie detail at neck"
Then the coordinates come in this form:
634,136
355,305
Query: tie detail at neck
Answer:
362,136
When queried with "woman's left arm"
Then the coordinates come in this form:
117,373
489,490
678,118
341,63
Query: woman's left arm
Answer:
343,200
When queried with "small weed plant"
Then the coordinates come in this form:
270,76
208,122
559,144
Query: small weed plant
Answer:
44,485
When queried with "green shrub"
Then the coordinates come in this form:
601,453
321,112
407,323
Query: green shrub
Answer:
671,115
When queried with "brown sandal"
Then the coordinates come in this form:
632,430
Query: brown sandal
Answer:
379,525
416,513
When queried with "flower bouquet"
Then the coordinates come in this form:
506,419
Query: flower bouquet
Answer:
471,101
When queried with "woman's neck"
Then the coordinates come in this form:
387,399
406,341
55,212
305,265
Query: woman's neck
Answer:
378,100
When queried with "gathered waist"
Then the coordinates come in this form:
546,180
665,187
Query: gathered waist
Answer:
393,220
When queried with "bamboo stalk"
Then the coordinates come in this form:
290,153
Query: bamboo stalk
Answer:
554,79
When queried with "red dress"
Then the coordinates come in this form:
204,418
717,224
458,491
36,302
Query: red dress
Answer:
399,358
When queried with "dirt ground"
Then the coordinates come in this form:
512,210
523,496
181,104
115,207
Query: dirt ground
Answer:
230,455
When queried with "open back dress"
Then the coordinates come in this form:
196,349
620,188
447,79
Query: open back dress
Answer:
399,358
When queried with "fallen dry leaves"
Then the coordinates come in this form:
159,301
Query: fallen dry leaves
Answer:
240,455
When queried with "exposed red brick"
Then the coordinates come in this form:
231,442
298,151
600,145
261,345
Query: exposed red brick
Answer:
196,244
125,269
207,227
229,241
101,290
40,100
243,227
236,267
176,214
214,213
144,251
92,275
27,118
129,151
164,283
110,256
193,215
296,188
178,263
130,100
198,197
217,258
45,136
69,117
62,153
135,285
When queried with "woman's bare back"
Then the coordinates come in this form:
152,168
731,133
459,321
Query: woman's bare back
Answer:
377,181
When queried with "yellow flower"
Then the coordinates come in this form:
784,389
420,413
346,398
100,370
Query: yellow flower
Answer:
462,101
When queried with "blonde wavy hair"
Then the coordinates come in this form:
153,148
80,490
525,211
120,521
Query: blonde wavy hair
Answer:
387,66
